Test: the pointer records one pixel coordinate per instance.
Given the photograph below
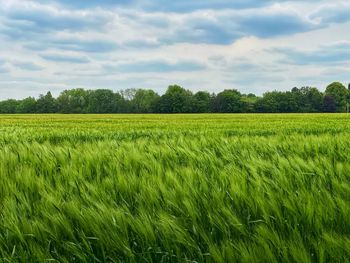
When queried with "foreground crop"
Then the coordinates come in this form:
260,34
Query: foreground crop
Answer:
150,188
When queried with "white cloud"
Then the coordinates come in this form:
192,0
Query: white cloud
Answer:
57,46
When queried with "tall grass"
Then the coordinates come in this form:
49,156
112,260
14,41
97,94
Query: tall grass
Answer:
196,188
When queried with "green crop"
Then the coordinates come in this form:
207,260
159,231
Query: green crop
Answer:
175,188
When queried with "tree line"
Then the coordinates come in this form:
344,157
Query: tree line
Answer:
176,99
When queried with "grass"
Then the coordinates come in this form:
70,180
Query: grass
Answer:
179,188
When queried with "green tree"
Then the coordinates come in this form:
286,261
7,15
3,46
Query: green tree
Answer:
9,106
305,99
175,100
27,105
201,102
102,101
228,101
248,102
287,102
128,94
312,99
73,101
340,94
46,104
144,100
329,104
269,103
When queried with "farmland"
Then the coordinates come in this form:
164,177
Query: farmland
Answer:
175,188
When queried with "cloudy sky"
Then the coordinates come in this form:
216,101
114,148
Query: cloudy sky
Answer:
250,45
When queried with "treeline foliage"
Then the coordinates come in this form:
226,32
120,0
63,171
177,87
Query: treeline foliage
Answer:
336,98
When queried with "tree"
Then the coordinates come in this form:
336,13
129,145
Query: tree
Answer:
128,94
228,101
201,102
144,101
162,105
307,99
8,106
103,101
312,99
175,100
73,101
46,104
329,104
248,102
340,94
179,100
27,105
267,104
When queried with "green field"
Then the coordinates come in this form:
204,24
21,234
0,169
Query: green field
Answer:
175,188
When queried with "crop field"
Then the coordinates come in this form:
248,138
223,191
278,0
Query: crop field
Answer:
175,188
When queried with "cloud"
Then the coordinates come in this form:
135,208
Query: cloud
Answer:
188,6
43,23
3,67
222,27
27,66
167,6
83,4
335,53
30,15
199,29
332,13
65,58
3,70
142,44
275,23
155,66
70,44
244,44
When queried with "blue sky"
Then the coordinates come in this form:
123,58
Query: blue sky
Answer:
250,45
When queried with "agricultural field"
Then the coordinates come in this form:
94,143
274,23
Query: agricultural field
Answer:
175,188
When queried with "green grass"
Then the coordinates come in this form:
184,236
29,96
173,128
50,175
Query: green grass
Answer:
179,188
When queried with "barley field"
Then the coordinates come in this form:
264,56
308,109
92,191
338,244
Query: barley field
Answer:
175,188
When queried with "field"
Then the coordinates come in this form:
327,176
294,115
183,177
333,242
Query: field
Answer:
175,188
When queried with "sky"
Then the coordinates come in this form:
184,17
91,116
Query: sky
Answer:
250,45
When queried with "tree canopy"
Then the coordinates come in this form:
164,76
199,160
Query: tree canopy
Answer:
340,94
176,99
